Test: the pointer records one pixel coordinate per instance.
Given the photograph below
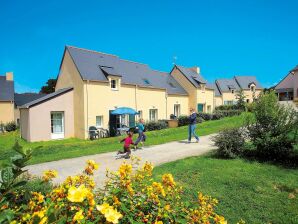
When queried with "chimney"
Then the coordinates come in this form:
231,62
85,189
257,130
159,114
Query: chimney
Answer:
196,69
9,76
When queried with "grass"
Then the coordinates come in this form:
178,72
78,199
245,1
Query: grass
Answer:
255,192
70,148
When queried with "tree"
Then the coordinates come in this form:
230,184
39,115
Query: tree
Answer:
240,96
49,87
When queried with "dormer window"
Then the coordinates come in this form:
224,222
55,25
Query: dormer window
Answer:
172,85
252,88
114,84
232,91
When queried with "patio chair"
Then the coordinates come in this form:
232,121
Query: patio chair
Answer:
93,133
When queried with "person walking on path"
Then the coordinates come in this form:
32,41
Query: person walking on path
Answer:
192,126
142,136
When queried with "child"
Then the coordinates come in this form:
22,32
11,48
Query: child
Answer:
127,142
142,136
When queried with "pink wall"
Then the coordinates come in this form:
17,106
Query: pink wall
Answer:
39,118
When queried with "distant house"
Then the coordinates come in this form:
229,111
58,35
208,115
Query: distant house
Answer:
11,101
6,98
287,88
227,89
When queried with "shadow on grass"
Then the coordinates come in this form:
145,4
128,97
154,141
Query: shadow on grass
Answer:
291,162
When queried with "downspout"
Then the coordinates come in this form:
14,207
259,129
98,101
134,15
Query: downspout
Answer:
87,122
136,104
166,95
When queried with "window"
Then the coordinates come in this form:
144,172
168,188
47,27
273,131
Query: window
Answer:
146,82
99,121
140,114
153,115
247,100
228,102
232,91
57,125
114,85
203,87
172,85
177,110
252,88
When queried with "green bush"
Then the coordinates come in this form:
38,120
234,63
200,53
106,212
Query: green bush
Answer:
249,107
11,126
156,125
184,120
228,113
229,142
205,116
227,107
273,132
2,127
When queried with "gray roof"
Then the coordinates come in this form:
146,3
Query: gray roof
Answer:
245,81
23,98
226,85
216,90
6,89
192,76
96,66
46,97
295,69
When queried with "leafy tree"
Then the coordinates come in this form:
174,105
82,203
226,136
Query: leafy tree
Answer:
273,131
49,87
240,96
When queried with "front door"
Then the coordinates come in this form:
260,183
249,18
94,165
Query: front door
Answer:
200,107
57,125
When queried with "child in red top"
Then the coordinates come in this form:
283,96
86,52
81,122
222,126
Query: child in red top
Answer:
127,142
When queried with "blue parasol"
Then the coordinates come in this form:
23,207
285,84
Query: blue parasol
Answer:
124,110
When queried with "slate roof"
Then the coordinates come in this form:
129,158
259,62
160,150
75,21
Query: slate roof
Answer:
6,89
216,90
245,81
225,85
46,97
191,75
23,98
295,69
96,66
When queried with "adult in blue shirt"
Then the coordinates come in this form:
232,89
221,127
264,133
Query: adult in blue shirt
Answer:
192,126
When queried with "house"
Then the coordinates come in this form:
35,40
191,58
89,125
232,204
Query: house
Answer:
6,98
287,88
91,85
227,89
201,93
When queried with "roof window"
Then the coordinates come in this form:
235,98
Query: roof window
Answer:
146,82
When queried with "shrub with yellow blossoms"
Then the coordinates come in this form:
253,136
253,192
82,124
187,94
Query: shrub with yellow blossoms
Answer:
130,195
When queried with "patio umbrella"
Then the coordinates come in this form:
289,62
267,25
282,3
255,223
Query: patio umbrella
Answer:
124,110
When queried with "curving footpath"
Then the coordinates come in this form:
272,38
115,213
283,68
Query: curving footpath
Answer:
157,154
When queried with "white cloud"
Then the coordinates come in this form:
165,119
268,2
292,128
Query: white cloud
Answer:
19,88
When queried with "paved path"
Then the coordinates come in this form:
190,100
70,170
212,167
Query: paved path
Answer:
157,154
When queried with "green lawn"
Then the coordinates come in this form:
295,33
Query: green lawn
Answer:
69,148
257,193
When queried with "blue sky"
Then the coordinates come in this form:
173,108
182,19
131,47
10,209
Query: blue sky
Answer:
224,38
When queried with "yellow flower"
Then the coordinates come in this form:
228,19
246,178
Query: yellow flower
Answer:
113,215
220,220
77,194
148,167
168,180
158,188
92,164
103,208
125,170
78,216
158,222
41,215
49,174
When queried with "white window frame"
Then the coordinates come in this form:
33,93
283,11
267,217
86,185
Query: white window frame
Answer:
252,88
153,116
57,135
116,84
99,124
177,110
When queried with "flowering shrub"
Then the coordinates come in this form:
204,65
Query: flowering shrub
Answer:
128,196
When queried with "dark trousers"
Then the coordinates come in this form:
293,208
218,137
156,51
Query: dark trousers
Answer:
141,137
126,149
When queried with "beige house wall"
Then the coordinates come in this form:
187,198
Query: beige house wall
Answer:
228,96
176,99
218,101
39,117
206,97
16,114
70,77
250,95
6,112
188,86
